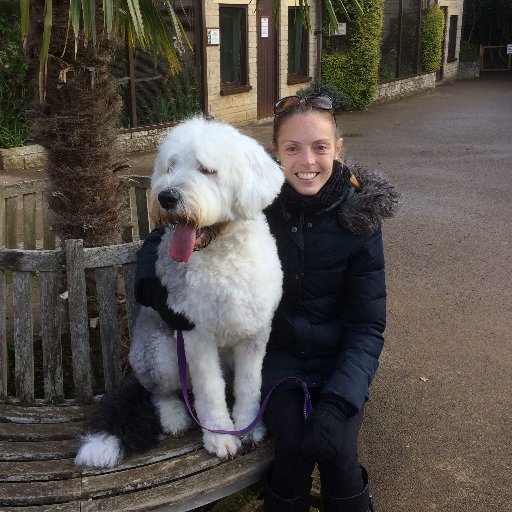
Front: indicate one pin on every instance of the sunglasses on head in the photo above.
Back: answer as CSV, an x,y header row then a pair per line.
x,y
316,101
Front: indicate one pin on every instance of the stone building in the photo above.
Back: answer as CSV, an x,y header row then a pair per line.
x,y
244,60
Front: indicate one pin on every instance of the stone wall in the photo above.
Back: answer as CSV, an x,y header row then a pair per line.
x,y
34,156
468,70
406,87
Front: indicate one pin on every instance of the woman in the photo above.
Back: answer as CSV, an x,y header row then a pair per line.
x,y
327,330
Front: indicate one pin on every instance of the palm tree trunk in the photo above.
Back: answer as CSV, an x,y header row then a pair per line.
x,y
78,129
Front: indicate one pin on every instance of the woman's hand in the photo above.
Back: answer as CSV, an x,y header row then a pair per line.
x,y
324,436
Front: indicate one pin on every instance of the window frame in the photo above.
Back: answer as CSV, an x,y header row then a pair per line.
x,y
227,88
451,55
303,75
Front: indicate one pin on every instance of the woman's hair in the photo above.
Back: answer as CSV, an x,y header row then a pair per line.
x,y
302,107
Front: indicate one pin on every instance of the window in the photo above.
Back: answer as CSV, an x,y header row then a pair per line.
x,y
409,38
298,48
389,41
233,49
452,39
400,45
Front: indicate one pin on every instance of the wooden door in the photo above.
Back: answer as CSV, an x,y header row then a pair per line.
x,y
267,33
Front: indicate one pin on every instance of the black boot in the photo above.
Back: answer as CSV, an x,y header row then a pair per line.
x,y
273,503
361,502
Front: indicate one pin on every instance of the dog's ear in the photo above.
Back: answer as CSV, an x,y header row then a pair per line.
x,y
261,182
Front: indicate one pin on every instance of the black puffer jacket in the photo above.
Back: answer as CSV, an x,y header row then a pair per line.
x,y
328,327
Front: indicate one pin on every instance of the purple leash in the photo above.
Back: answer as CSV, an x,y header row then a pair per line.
x,y
182,367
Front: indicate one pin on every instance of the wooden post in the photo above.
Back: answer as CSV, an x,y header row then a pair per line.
x,y
78,320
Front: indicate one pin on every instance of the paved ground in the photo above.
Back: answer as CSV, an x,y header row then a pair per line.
x,y
437,435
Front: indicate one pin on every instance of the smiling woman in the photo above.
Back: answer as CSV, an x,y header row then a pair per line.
x,y
328,328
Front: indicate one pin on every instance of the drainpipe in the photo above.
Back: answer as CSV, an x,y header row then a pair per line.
x,y
318,34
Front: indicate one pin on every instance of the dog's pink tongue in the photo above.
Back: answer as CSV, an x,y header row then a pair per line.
x,y
182,242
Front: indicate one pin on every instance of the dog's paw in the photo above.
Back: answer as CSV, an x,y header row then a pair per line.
x,y
256,435
222,445
173,415
99,450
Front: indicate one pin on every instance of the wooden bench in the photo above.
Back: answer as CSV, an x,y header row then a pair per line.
x,y
49,379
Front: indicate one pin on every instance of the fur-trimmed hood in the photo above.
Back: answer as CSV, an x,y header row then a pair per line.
x,y
367,206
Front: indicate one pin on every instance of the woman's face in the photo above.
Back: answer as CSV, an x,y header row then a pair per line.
x,y
306,147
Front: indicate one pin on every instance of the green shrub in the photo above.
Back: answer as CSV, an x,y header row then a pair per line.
x,y
469,52
432,32
14,130
339,100
354,72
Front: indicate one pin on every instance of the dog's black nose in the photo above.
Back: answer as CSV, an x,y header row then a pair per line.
x,y
169,198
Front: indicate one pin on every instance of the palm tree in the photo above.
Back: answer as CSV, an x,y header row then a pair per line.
x,y
80,106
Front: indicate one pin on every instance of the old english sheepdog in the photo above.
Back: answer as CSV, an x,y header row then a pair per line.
x,y
219,263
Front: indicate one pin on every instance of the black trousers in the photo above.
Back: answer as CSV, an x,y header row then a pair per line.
x,y
290,475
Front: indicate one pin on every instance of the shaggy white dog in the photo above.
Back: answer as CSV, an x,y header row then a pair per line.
x,y
220,266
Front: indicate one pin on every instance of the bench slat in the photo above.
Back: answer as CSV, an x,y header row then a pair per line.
x,y
132,307
194,491
34,450
11,223
59,507
13,413
38,471
39,493
48,234
31,261
52,352
110,339
141,202
24,187
29,221
78,321
3,336
23,337
95,257
144,477
39,432
127,234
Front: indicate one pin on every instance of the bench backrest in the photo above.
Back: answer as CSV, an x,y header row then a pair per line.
x,y
45,324
25,216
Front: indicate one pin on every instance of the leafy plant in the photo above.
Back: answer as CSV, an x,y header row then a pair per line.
x,y
340,101
179,99
354,73
469,52
14,130
432,39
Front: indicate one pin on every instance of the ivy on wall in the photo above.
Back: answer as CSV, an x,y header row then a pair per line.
x,y
432,32
354,71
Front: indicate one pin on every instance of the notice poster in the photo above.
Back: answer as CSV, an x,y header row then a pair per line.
x,y
264,26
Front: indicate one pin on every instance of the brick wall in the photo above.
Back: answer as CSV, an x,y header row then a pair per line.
x,y
241,108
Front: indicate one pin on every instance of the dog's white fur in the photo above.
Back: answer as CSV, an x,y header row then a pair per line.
x,y
229,289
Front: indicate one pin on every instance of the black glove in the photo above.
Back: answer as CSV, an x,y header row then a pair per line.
x,y
324,434
153,294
